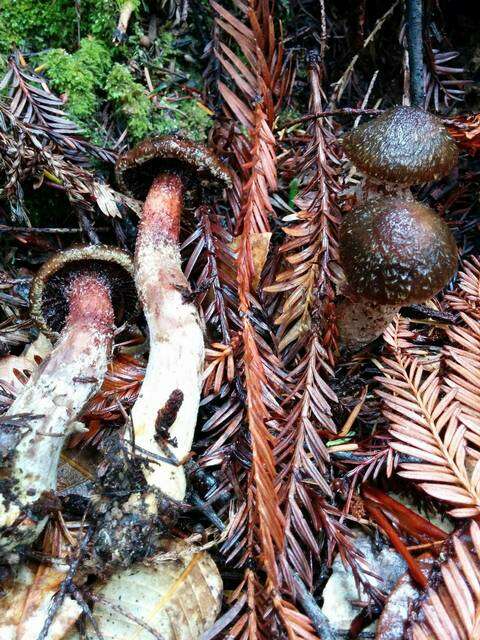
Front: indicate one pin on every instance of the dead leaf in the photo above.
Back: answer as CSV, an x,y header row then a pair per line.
x,y
260,243
24,607
108,201
14,370
178,594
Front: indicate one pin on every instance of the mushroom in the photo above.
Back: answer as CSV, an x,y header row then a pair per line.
x,y
405,145
394,253
79,294
161,171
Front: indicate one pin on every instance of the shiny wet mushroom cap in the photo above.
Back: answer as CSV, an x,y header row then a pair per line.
x,y
50,287
136,169
396,252
405,145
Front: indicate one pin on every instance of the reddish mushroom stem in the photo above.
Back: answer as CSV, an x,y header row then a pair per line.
x,y
54,397
90,306
165,414
162,211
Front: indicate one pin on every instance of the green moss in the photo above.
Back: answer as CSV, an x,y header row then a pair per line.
x,y
99,18
92,71
130,101
39,24
286,116
193,120
142,117
81,75
36,25
166,48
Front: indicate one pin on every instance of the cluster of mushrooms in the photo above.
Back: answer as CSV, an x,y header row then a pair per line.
x,y
79,297
394,250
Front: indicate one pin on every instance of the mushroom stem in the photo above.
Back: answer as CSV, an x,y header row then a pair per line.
x,y
165,414
362,321
51,401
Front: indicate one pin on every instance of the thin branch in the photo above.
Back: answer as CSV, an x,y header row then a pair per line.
x,y
415,51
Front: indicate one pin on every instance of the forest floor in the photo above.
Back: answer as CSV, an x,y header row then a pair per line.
x,y
331,492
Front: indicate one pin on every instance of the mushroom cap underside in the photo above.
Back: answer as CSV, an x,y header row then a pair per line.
x,y
50,286
136,168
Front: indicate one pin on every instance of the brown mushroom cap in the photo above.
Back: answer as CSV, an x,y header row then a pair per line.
x,y
404,145
396,252
49,290
136,168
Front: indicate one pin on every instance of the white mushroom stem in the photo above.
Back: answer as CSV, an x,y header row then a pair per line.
x,y
165,414
54,397
362,321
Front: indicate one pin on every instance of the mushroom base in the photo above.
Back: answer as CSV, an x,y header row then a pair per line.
x,y
47,409
361,322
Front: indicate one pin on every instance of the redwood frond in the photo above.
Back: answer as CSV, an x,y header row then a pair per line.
x,y
311,247
211,268
263,461
451,607
251,91
120,389
303,459
466,131
256,533
43,113
425,422
307,337
462,354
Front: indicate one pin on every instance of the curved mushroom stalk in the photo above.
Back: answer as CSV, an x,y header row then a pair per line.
x,y
165,414
51,402
362,321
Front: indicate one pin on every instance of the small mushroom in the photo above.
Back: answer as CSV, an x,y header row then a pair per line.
x,y
394,253
78,294
405,145
162,171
